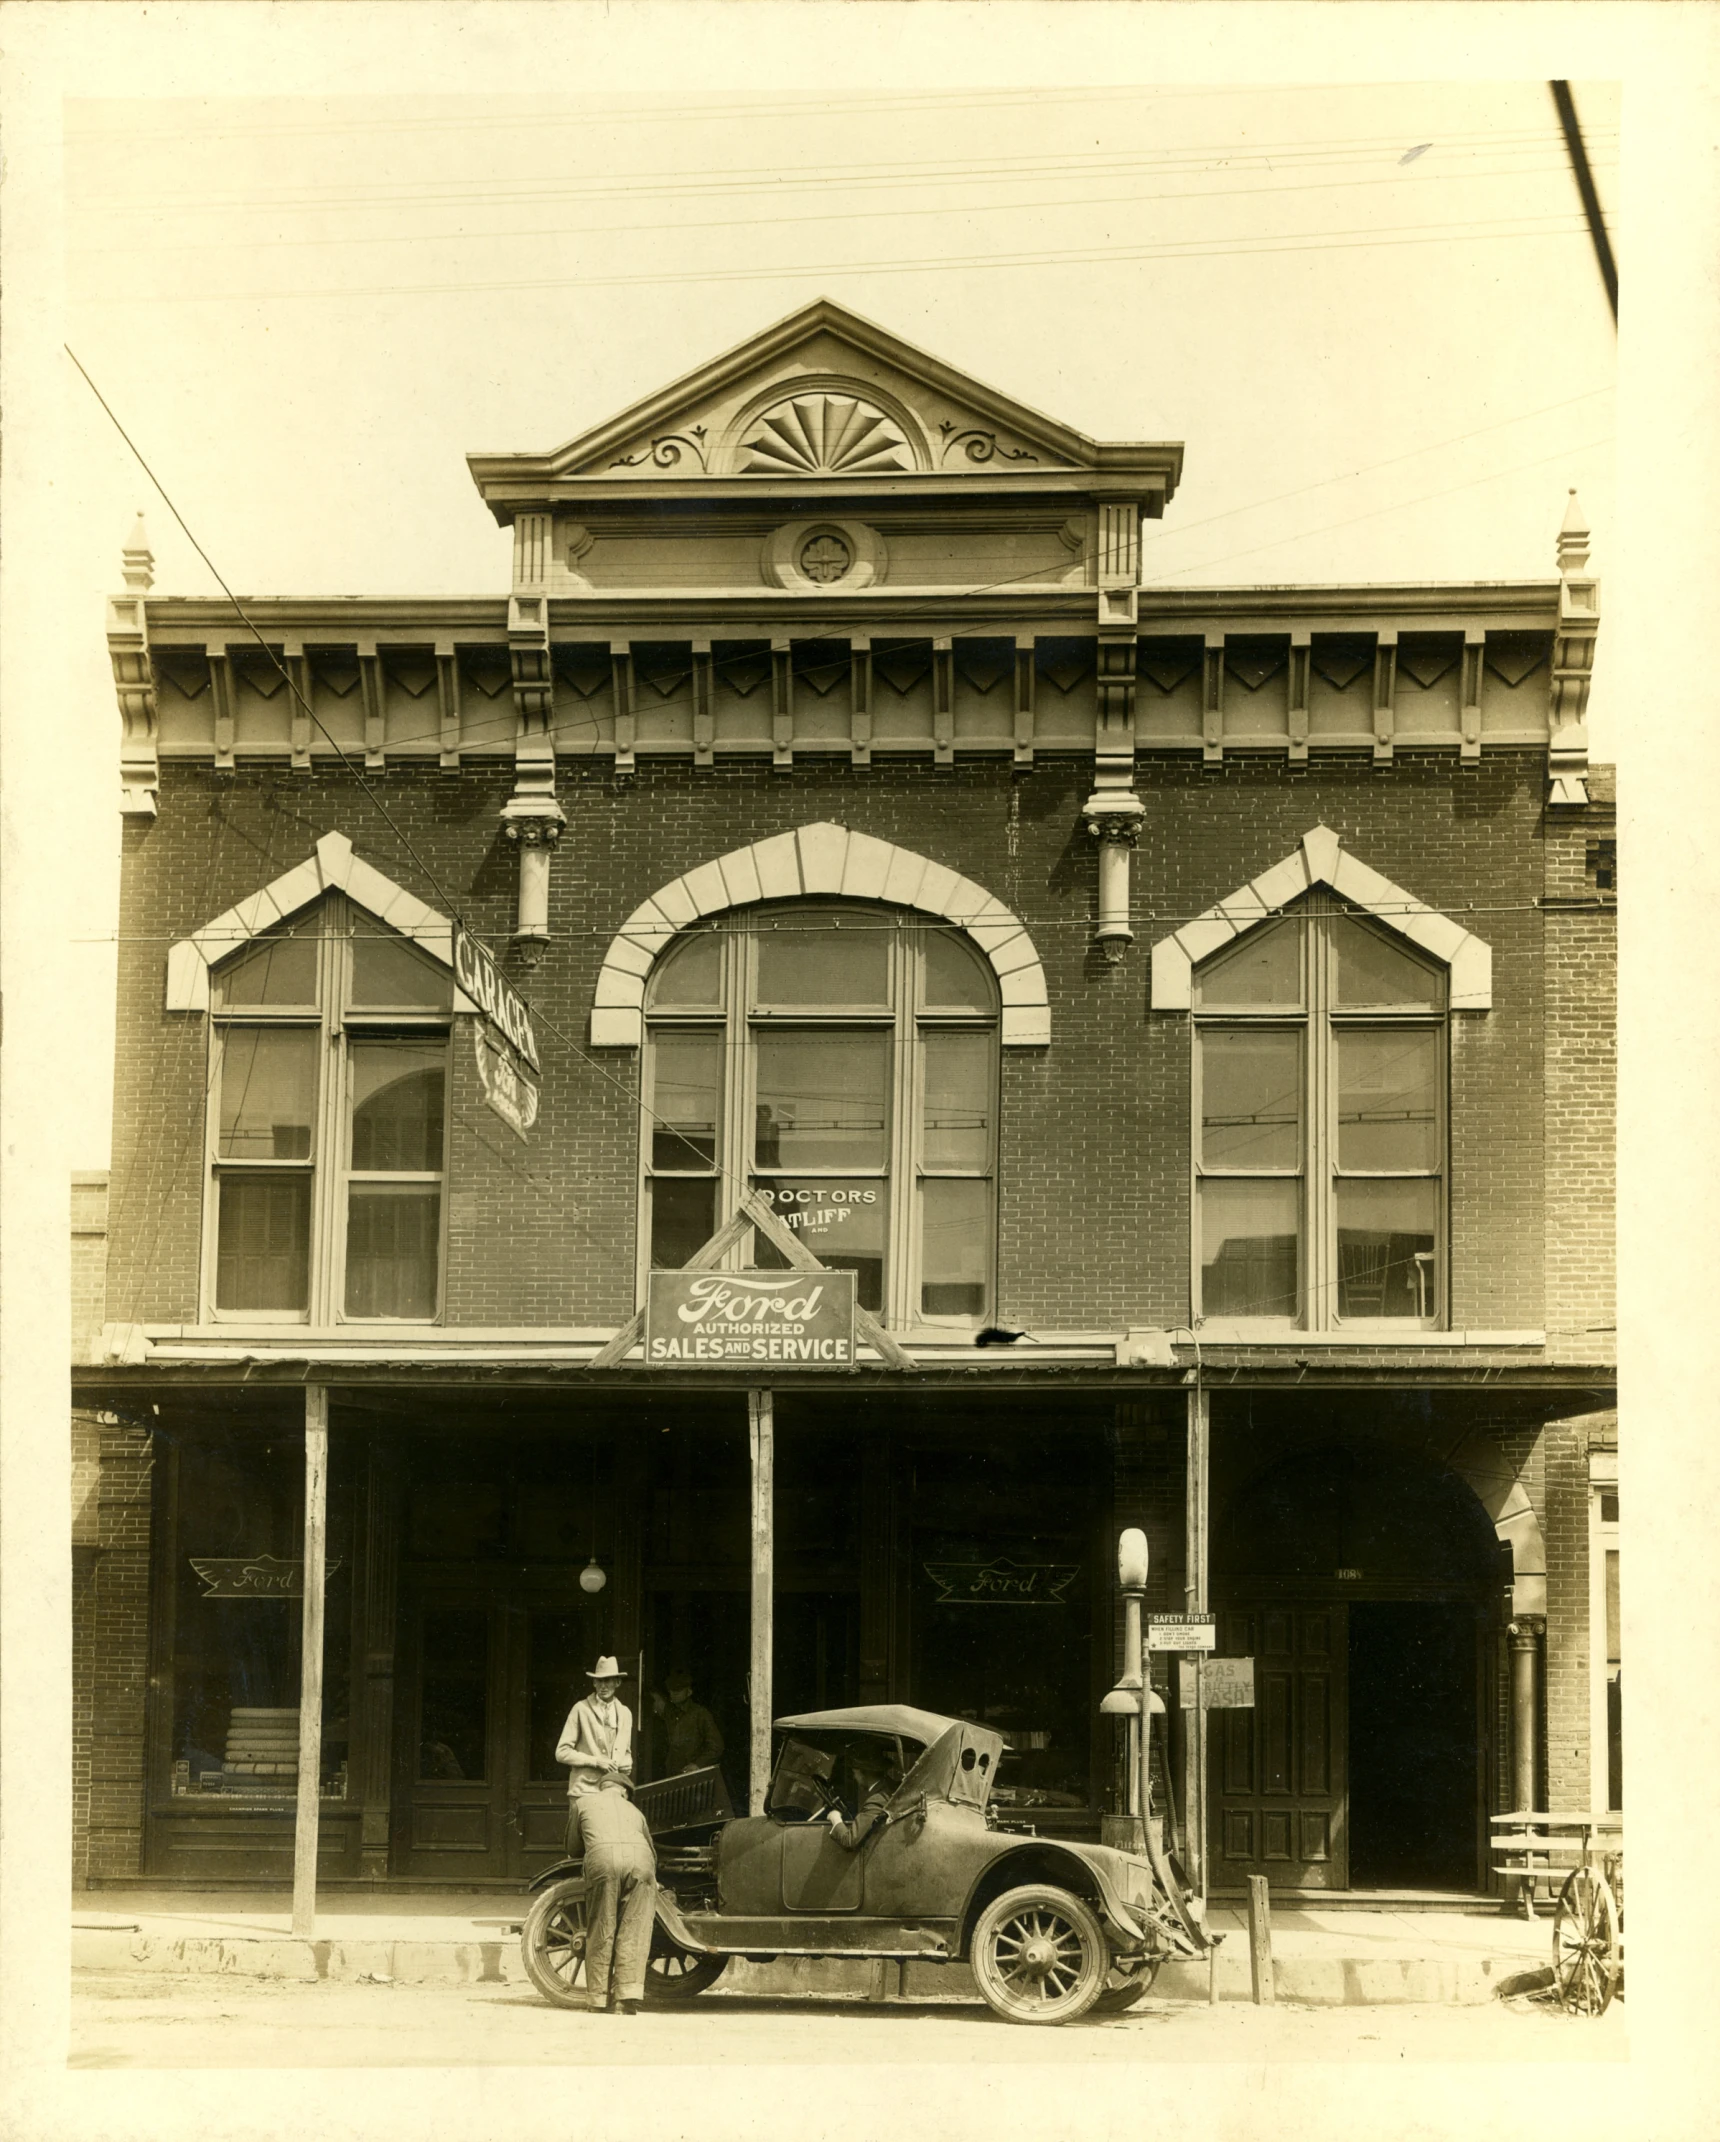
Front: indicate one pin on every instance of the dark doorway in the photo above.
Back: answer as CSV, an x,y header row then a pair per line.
x,y
1413,1755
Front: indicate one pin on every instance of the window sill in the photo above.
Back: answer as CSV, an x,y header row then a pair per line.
x,y
1350,1341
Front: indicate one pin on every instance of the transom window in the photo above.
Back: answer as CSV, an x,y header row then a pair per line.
x,y
327,1133
841,1060
1320,1052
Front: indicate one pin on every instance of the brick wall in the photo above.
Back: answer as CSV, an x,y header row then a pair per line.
x,y
111,1465
1567,1444
1095,1130
89,1263
1581,1075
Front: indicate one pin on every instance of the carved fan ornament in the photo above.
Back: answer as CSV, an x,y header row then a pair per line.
x,y
824,435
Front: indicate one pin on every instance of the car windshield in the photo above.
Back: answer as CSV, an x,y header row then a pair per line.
x,y
819,1770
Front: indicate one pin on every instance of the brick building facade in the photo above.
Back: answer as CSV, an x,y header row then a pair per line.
x,y
1187,1017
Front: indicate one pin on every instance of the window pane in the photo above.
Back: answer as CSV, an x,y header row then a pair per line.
x,y
1263,967
955,1247
686,1079
683,1218
805,959
455,1693
1388,1098
1386,1236
1614,1654
690,973
263,1254
268,1092
841,1223
1372,970
281,970
387,971
397,1100
821,1100
1251,1099
1248,1248
956,978
958,1101
391,1249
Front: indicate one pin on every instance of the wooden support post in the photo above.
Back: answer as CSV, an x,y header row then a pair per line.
x,y
1195,1584
761,1445
1524,1635
1260,1941
311,1662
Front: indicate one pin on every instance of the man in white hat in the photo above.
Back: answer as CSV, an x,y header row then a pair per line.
x,y
598,1735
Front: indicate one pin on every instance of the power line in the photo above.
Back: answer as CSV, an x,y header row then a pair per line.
x,y
1523,228
774,180
589,232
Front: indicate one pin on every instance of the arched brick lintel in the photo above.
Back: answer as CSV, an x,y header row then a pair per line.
x,y
821,861
1321,860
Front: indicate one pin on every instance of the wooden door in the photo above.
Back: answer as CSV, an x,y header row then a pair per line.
x,y
490,1676
1277,1803
452,1754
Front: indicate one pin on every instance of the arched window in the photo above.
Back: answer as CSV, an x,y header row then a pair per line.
x,y
1319,1146
841,1059
328,1096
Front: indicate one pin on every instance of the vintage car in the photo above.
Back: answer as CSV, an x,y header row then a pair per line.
x,y
1049,1929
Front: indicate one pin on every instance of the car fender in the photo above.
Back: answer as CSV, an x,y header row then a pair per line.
x,y
560,1872
1040,1859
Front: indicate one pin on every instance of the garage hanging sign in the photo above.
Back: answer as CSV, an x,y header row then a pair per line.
x,y
494,995
735,1319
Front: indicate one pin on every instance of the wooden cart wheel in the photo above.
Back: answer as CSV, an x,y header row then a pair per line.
x,y
1586,1963
677,1974
1039,1955
552,1943
1127,1980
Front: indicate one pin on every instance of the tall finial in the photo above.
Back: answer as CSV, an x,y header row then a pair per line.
x,y
137,560
1573,538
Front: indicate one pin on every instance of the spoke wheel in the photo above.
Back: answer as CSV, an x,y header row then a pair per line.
x,y
1127,1980
1586,1965
552,1943
677,1974
1039,1955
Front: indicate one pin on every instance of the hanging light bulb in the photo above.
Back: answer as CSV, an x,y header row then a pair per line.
x,y
592,1577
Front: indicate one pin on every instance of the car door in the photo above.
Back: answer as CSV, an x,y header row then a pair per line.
x,y
820,1875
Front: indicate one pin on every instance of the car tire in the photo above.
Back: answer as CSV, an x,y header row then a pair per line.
x,y
1127,1980
1038,1955
675,1974
552,1943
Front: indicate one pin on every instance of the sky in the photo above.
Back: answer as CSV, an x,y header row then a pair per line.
x,y
1371,312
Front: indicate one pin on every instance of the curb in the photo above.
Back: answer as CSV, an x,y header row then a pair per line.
x,y
1323,1982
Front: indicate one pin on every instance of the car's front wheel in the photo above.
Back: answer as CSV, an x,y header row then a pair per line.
x,y
552,1943
1038,1955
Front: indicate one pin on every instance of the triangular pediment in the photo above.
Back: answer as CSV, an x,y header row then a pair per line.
x,y
823,394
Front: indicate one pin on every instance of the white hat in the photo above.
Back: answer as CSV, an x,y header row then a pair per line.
x,y
606,1669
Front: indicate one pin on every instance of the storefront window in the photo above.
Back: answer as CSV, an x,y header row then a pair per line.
x,y
1320,1134
237,1609
328,1123
1002,1611
842,1062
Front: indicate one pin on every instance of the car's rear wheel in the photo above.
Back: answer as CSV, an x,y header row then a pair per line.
x,y
1127,1980
675,1973
1038,1955
552,1943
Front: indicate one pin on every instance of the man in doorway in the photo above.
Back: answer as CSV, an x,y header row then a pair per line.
x,y
875,1777
609,1834
598,1735
692,1739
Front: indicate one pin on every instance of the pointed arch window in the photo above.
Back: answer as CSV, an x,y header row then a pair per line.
x,y
1320,1112
327,1123
841,1059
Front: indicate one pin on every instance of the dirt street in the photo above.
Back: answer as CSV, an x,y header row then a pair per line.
x,y
164,2022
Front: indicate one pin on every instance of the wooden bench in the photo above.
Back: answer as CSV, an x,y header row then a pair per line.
x,y
1539,1849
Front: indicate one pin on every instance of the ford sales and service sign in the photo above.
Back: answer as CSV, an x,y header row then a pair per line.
x,y
799,1319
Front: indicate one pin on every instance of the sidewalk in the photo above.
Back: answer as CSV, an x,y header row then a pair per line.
x,y
1328,1956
